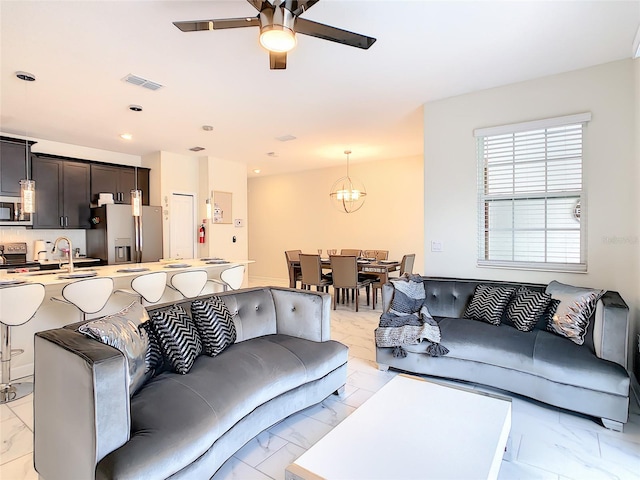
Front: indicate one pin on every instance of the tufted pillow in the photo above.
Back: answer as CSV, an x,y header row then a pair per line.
x,y
526,307
214,324
577,304
122,331
177,337
488,303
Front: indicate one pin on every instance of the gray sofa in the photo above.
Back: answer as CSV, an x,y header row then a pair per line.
x,y
591,378
182,426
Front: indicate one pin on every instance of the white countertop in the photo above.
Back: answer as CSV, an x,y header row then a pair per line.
x,y
54,277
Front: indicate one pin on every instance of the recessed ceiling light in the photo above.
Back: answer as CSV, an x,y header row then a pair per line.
x,y
207,128
286,138
272,154
257,170
196,149
135,108
126,136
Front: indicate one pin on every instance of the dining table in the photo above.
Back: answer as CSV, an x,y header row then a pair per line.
x,y
380,268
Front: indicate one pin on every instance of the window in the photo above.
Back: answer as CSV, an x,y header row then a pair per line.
x,y
531,204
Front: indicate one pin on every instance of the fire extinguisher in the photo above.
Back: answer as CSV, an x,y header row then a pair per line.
x,y
201,234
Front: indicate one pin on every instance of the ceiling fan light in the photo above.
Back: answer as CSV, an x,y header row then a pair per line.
x,y
276,38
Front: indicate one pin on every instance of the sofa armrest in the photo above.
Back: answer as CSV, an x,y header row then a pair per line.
x,y
303,313
611,329
81,403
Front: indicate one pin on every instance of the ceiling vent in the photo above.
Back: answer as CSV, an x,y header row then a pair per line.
x,y
142,82
196,149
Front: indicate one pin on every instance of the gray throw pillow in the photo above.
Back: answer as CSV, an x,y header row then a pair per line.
x,y
122,331
526,307
178,338
488,303
577,304
214,323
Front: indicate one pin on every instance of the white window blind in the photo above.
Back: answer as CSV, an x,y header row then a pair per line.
x,y
531,205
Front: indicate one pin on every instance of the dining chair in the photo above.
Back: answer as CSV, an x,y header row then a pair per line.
x,y
406,266
377,254
312,273
351,251
345,277
295,275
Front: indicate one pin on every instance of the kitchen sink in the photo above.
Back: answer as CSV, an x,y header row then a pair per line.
x,y
57,271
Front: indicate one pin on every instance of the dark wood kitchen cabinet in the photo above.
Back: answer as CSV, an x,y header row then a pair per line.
x,y
13,153
119,181
62,193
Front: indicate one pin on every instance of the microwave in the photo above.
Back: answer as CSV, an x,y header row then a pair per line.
x,y
11,212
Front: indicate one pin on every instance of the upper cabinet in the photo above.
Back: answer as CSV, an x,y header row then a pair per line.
x,y
13,155
62,193
119,181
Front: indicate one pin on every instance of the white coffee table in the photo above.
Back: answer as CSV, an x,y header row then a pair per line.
x,y
413,429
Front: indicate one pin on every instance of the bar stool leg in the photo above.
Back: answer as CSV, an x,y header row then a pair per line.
x,y
10,391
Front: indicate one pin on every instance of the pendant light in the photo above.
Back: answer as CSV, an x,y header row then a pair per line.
x,y
348,194
136,197
27,186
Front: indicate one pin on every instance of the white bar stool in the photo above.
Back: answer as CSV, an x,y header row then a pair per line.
x,y
149,287
229,278
190,284
18,305
88,296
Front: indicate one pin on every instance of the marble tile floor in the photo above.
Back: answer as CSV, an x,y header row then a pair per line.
x,y
545,442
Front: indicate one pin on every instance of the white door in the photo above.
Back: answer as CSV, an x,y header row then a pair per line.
x,y
182,240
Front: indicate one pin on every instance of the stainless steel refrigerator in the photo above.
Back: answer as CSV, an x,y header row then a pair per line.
x,y
112,237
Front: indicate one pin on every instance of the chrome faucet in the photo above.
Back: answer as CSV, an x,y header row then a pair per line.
x,y
69,253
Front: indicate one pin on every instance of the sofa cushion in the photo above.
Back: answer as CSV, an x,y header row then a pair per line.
x,y
216,394
177,336
488,303
214,324
537,353
577,304
526,307
122,331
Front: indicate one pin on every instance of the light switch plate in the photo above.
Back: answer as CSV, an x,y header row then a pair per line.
x,y
436,246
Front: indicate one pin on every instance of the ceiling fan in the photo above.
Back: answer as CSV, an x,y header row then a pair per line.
x,y
279,21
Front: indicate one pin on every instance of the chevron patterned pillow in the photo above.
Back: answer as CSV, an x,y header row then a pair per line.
x,y
526,307
214,323
488,303
178,338
153,358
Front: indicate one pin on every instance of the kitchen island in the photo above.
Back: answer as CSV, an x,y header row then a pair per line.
x,y
56,314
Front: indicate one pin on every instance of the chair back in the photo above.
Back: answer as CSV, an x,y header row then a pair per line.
x,y
19,304
345,271
293,255
311,269
377,254
407,264
90,295
351,251
189,284
233,276
150,286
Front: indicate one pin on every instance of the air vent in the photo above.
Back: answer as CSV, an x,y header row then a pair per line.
x,y
286,138
142,82
196,149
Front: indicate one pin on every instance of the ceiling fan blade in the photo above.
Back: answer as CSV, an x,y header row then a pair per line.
x,y
277,61
301,6
333,34
197,25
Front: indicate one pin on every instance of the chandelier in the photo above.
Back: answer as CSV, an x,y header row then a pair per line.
x,y
348,194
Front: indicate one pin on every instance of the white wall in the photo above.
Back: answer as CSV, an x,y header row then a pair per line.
x,y
293,211
611,158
